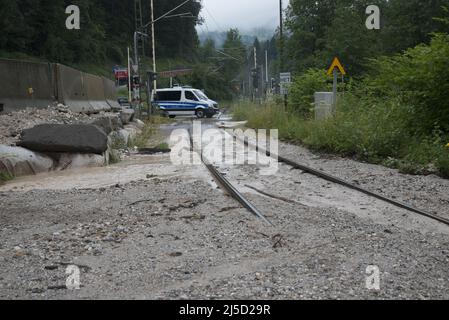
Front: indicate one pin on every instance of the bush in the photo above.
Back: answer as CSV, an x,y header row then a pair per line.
x,y
443,163
371,132
4,177
303,88
420,79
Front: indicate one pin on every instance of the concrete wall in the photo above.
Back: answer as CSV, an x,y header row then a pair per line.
x,y
110,92
71,89
26,84
95,92
31,84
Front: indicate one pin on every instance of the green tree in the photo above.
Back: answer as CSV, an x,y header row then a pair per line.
x,y
234,55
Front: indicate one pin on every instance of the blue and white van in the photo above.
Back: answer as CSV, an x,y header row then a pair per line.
x,y
184,101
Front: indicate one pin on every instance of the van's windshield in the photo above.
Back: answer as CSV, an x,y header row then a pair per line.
x,y
201,95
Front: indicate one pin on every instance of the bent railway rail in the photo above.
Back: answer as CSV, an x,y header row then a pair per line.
x,y
220,178
249,206
345,183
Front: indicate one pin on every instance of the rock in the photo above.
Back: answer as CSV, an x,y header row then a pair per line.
x,y
116,122
108,123
140,124
62,108
175,254
124,136
17,161
103,123
127,115
51,267
77,138
132,131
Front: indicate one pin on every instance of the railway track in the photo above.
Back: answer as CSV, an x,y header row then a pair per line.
x,y
248,205
224,183
347,184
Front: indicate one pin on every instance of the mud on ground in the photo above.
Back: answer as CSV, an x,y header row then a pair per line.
x,y
172,239
145,229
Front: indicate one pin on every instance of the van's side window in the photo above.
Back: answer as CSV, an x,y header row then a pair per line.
x,y
168,96
191,96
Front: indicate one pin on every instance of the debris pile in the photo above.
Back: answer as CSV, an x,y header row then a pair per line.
x,y
13,123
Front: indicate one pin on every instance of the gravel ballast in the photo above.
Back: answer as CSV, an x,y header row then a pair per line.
x,y
173,234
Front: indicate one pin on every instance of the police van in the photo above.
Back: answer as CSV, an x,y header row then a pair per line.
x,y
184,101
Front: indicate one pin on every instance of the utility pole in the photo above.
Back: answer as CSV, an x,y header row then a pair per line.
x,y
138,18
256,75
255,57
281,34
266,71
153,45
129,78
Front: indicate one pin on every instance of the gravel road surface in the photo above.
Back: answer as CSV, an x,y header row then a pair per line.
x,y
139,231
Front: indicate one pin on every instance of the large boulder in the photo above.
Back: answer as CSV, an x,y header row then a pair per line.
x,y
76,138
17,162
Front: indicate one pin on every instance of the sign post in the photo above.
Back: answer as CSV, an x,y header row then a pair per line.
x,y
335,89
285,81
334,69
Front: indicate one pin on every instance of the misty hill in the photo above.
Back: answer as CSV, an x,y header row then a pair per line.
x,y
248,37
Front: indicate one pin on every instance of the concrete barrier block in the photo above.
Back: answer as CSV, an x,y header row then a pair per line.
x,y
71,90
65,138
26,84
96,92
110,93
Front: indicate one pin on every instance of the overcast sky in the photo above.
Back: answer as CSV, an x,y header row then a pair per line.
x,y
221,15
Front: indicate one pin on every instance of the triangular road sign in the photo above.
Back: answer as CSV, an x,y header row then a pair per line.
x,y
336,64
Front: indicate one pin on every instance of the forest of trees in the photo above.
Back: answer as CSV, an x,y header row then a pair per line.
x,y
320,30
37,28
393,108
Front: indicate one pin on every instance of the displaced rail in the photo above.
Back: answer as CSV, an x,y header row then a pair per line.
x,y
347,184
229,187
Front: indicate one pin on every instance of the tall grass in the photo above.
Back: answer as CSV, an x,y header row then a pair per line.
x,y
4,177
373,132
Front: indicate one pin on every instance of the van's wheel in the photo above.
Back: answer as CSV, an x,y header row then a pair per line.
x,y
200,114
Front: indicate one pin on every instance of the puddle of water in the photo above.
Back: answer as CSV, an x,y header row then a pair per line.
x,y
134,169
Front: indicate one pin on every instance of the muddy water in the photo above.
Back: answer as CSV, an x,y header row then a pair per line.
x,y
133,168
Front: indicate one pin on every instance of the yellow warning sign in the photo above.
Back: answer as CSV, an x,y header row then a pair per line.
x,y
336,64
